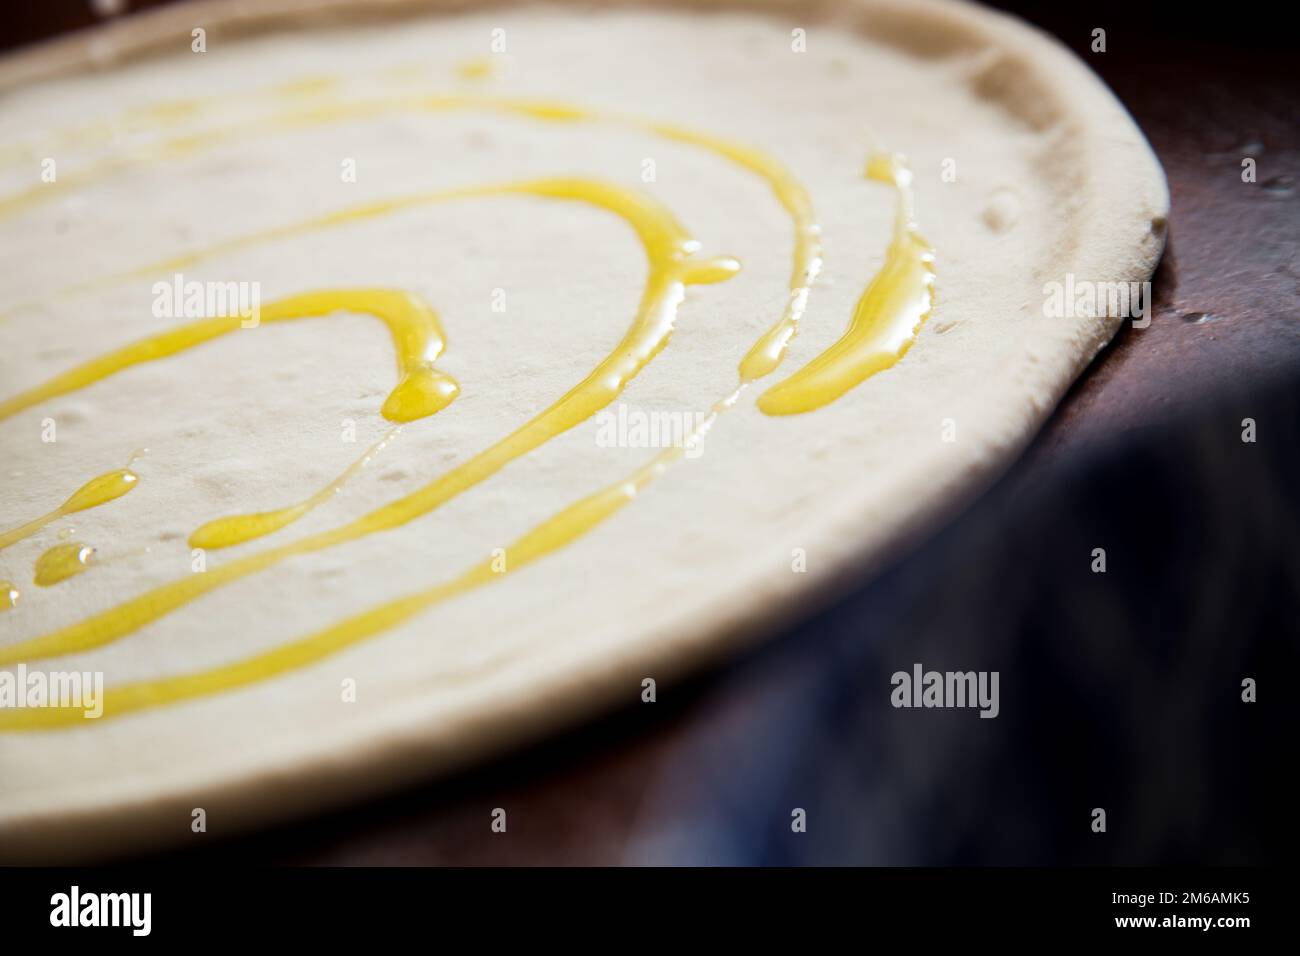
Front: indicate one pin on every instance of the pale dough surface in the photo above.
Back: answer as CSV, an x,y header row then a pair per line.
x,y
1052,178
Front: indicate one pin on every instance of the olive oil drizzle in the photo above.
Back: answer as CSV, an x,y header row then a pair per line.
x,y
551,535
788,191
99,490
478,69
886,319
236,529
417,337
61,562
884,322
672,263
415,328
163,114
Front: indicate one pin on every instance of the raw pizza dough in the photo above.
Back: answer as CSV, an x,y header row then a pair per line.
x,y
1052,178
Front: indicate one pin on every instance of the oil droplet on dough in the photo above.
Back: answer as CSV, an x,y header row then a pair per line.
x,y
61,562
9,595
99,490
480,68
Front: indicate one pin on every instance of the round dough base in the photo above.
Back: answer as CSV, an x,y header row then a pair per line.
x,y
1027,171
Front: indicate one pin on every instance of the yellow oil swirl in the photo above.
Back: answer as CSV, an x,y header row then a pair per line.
x,y
162,113
99,490
61,562
551,535
9,595
880,320
417,337
766,353
886,319
236,529
670,253
416,331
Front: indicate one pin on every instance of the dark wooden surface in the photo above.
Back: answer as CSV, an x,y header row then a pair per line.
x,y
1227,310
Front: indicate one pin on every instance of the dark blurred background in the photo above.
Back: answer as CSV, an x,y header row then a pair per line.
x,y
1119,690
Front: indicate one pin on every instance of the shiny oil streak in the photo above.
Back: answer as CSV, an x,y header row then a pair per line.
x,y
672,265
886,319
884,323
